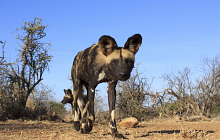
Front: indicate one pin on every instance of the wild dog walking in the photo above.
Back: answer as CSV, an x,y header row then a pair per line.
x,y
102,62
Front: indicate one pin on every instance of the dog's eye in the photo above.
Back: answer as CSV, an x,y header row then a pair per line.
x,y
114,61
129,61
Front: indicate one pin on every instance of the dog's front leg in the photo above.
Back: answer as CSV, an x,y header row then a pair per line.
x,y
111,101
87,126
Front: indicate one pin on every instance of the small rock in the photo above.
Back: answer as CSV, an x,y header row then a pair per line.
x,y
129,122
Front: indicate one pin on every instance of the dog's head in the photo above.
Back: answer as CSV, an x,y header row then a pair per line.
x,y
68,98
119,60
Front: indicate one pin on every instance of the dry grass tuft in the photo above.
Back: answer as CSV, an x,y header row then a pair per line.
x,y
192,134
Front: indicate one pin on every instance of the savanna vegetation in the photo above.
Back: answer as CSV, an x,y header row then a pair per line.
x,y
22,93
184,96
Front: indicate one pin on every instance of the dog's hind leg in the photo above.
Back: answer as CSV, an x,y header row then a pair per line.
x,y
81,103
88,125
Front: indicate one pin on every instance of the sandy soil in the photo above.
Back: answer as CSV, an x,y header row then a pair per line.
x,y
156,129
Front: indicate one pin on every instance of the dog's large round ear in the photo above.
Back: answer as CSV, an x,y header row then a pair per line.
x,y
64,91
70,91
133,43
107,44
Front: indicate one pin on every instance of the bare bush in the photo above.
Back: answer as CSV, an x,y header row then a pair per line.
x,y
132,95
102,116
208,86
180,93
189,96
3,76
40,101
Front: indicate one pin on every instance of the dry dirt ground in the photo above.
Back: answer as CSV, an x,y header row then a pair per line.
x,y
155,129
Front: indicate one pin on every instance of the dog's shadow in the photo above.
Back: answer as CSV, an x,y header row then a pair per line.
x,y
176,131
172,132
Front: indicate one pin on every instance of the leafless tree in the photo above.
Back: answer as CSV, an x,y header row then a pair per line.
x,y
208,85
25,74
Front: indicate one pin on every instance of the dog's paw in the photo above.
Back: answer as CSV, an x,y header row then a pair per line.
x,y
115,134
87,127
76,125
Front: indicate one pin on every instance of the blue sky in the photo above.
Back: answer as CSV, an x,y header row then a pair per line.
x,y
176,33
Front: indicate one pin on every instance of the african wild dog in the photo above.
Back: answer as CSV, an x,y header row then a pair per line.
x,y
102,62
68,98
